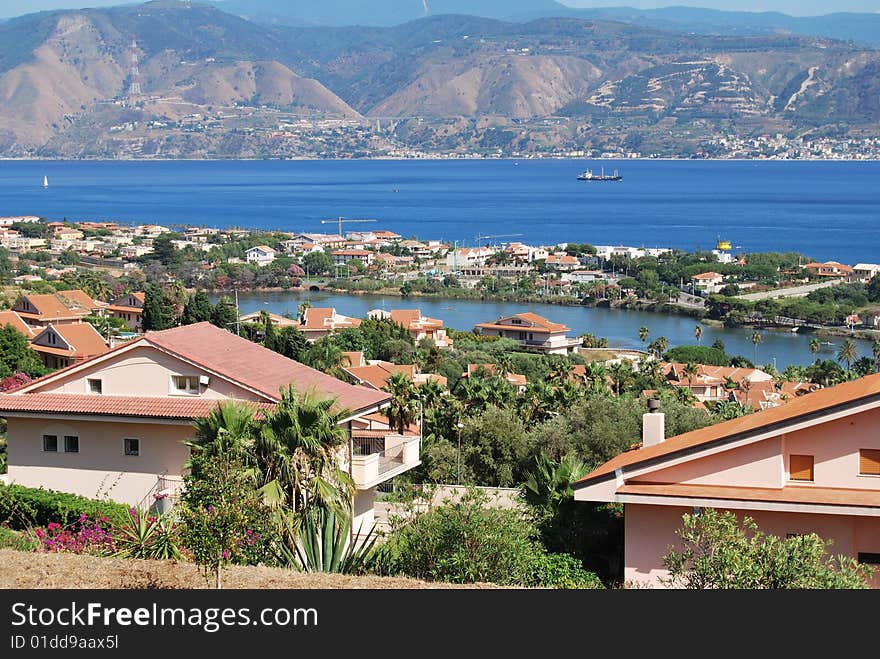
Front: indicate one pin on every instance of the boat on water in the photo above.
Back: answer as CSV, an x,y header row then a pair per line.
x,y
45,181
590,176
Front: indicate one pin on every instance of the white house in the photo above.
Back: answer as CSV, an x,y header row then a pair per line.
x,y
261,255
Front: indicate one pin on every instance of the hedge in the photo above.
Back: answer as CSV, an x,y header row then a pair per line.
x,y
23,507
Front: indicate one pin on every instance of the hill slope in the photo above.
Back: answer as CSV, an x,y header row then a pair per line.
x,y
215,85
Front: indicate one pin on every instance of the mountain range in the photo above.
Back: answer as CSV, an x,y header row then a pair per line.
x,y
861,28
216,85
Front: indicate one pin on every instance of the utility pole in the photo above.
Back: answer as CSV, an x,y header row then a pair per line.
x,y
237,314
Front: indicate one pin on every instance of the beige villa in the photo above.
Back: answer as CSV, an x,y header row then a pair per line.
x,y
115,425
318,322
419,326
129,308
533,332
810,465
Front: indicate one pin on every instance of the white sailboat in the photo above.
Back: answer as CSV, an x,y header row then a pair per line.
x,y
45,181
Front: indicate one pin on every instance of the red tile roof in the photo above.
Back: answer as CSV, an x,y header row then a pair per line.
x,y
49,307
532,322
799,409
83,339
834,496
165,408
81,298
9,317
326,318
377,375
257,367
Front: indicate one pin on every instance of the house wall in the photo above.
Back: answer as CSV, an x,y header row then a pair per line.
x,y
649,532
755,465
835,450
144,371
100,467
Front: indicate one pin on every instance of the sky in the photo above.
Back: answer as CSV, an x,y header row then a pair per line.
x,y
794,7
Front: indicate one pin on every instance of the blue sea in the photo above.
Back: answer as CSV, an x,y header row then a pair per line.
x,y
826,210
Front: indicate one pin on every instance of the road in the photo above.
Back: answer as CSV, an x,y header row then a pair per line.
x,y
794,291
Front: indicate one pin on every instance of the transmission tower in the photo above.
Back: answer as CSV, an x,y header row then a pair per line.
x,y
134,87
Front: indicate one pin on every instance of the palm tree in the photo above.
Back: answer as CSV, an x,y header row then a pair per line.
x,y
561,369
814,346
643,333
229,428
431,393
698,334
620,374
595,373
848,354
756,339
297,451
403,409
658,346
691,370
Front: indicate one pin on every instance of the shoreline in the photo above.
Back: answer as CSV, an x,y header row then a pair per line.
x,y
661,308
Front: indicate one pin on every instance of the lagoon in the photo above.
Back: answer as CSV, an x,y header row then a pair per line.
x,y
619,326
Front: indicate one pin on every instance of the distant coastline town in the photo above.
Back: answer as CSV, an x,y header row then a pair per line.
x,y
786,290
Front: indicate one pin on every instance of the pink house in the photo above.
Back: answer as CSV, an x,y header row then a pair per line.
x,y
115,425
811,465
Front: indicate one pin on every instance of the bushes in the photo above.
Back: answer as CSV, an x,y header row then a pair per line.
x,y
466,542
22,507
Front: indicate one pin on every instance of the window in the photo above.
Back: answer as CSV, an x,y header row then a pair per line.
x,y
869,462
71,444
185,384
131,446
869,558
94,386
50,443
800,467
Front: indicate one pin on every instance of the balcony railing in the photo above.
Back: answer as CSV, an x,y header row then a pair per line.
x,y
164,495
375,459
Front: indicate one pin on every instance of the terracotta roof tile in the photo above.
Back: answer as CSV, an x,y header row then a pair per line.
x,y
823,400
166,408
49,307
9,317
257,367
833,496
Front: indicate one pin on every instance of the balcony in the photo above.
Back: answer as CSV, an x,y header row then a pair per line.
x,y
376,459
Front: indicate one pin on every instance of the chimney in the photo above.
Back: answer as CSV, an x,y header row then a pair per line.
x,y
653,424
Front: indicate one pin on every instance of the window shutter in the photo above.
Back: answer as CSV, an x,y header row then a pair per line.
x,y
800,467
869,462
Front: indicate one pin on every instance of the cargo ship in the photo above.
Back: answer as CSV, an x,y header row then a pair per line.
x,y
590,176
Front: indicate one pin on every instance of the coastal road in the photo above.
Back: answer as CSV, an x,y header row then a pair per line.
x,y
794,291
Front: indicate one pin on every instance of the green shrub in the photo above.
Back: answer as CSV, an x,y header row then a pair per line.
x,y
560,571
466,542
23,507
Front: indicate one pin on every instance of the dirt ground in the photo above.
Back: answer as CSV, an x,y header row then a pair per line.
x,y
31,570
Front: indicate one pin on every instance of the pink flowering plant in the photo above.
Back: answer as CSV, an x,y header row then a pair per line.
x,y
223,517
84,536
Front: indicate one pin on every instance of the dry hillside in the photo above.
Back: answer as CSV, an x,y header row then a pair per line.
x,y
30,570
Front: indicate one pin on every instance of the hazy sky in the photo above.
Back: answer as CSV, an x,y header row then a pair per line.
x,y
794,7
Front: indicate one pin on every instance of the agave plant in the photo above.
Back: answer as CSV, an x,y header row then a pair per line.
x,y
146,535
324,544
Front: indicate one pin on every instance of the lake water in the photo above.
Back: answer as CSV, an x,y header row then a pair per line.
x,y
827,210
619,326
